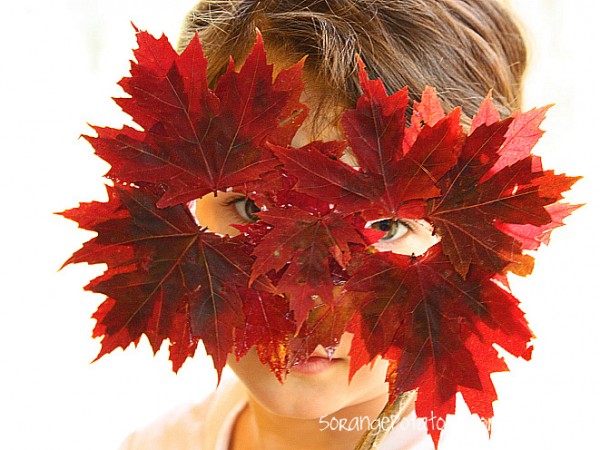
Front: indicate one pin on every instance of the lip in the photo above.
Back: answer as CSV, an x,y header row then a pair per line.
x,y
314,365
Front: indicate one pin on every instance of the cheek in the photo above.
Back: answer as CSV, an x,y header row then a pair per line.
x,y
211,212
414,244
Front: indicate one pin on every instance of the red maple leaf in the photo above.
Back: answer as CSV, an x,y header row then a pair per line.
x,y
428,111
436,328
166,278
496,191
268,326
304,242
196,140
482,191
325,325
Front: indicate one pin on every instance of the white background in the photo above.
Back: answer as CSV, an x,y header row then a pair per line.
x,y
60,61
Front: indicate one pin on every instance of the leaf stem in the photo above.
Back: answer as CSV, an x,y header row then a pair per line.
x,y
395,412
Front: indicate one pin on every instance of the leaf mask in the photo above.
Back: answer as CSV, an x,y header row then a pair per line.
x,y
307,271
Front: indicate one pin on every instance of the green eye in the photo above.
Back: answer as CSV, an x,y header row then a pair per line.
x,y
246,209
393,228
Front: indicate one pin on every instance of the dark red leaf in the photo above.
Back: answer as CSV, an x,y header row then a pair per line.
x,y
437,328
197,141
304,242
165,276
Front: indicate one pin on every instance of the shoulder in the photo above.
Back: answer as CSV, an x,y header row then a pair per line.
x,y
193,427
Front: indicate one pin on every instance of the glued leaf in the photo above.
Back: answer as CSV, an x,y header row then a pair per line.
x,y
196,141
165,276
436,328
304,243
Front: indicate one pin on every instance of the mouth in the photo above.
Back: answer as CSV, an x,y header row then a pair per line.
x,y
318,362
314,365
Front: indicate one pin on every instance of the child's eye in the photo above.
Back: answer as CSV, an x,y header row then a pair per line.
x,y
246,209
404,236
393,228
219,213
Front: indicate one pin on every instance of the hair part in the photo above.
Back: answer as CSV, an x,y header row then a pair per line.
x,y
462,48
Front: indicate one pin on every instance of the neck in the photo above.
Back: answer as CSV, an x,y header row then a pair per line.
x,y
258,428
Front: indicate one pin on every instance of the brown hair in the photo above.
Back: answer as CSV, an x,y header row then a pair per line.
x,y
463,48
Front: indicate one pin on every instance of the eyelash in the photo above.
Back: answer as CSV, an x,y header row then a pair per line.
x,y
231,202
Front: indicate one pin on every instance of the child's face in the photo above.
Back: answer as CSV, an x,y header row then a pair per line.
x,y
319,386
